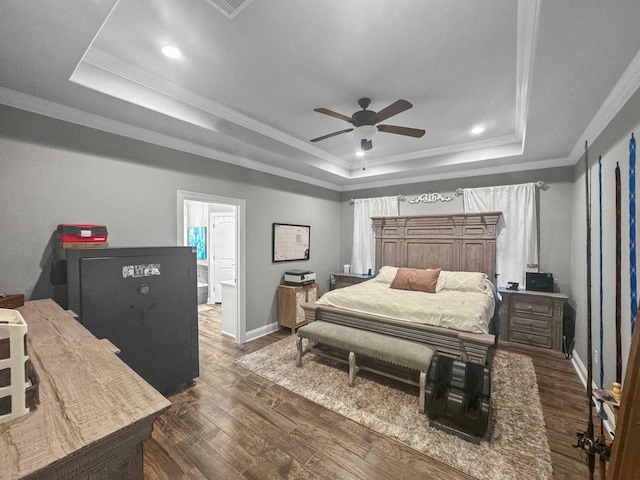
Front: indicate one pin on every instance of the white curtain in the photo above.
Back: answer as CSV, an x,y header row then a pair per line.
x,y
363,255
517,242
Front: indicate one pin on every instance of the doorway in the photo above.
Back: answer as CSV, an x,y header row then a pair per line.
x,y
222,264
222,261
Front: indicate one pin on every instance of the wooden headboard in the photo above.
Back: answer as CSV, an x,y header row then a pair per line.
x,y
455,242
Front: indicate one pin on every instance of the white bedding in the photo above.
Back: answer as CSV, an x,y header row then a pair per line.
x,y
459,309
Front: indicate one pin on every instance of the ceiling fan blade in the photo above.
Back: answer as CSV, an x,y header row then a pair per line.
x,y
331,135
393,109
409,132
331,113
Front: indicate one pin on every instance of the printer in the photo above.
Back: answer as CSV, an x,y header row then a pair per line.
x,y
299,277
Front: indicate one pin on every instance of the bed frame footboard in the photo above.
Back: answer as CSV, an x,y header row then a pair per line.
x,y
470,347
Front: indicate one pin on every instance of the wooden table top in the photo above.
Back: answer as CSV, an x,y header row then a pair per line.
x,y
88,396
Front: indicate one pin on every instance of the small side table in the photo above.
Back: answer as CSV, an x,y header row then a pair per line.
x,y
290,313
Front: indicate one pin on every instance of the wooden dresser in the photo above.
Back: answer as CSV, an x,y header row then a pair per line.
x,y
94,413
533,319
290,299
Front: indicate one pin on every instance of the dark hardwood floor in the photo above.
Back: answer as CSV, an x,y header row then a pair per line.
x,y
235,425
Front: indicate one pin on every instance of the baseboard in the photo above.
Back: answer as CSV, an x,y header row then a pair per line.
x,y
581,370
261,331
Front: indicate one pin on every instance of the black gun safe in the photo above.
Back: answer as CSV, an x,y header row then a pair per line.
x,y
144,301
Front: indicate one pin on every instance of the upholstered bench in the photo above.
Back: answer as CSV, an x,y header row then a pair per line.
x,y
393,350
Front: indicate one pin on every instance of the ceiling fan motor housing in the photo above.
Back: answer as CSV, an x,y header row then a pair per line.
x,y
363,117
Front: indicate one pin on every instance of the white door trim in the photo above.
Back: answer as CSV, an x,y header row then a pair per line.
x,y
241,243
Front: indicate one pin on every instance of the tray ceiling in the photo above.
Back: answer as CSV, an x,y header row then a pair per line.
x,y
540,76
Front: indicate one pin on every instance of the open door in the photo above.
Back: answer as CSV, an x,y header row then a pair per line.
x,y
625,461
223,261
227,242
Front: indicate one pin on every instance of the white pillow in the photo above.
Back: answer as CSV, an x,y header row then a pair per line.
x,y
442,278
386,274
462,281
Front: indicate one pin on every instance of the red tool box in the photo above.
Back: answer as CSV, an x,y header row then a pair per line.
x,y
78,232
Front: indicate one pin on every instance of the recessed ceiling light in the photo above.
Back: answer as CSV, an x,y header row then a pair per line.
x,y
171,51
477,130
360,153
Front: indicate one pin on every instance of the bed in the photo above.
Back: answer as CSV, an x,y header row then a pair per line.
x,y
452,243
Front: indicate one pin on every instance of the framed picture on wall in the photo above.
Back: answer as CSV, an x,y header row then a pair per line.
x,y
197,237
290,242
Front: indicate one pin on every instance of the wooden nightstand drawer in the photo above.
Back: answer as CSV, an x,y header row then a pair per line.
x,y
525,305
531,324
530,338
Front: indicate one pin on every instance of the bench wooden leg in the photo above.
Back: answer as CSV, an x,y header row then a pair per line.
x,y
352,369
299,354
423,384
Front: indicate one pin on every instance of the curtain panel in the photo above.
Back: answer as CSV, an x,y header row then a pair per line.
x,y
517,240
363,254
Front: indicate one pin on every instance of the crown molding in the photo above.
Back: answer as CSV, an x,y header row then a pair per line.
x,y
463,173
120,80
527,38
50,109
627,85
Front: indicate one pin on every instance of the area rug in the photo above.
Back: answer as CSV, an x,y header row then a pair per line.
x,y
516,444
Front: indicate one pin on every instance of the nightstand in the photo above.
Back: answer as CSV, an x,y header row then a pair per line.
x,y
532,319
347,279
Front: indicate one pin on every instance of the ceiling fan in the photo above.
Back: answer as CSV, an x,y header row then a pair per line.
x,y
365,122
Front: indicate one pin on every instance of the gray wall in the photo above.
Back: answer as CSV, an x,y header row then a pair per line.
x,y
55,172
554,212
613,146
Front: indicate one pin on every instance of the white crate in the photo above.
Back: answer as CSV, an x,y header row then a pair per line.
x,y
13,365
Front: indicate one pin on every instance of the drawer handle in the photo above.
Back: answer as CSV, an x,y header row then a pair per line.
x,y
529,307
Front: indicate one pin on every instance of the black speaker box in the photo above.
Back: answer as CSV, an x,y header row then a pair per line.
x,y
539,282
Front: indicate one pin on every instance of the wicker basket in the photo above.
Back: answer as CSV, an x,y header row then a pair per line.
x,y
16,387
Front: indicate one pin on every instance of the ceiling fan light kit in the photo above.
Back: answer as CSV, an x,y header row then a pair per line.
x,y
365,122
364,132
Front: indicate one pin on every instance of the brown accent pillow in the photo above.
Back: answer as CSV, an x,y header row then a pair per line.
x,y
416,279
